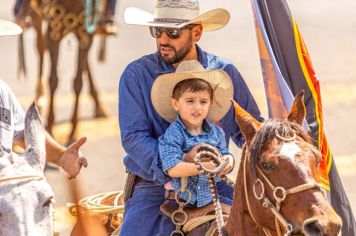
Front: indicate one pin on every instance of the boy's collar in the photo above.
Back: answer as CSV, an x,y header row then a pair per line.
x,y
206,125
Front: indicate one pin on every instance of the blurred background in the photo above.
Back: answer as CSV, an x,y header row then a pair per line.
x,y
329,31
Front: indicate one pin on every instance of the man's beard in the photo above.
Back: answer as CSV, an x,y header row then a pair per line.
x,y
178,56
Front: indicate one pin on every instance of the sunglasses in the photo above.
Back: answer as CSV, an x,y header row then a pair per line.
x,y
172,33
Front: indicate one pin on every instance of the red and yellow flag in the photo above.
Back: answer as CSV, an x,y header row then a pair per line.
x,y
287,70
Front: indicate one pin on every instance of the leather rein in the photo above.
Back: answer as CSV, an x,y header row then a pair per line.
x,y
22,177
279,194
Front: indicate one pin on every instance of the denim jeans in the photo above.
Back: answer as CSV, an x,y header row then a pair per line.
x,y
142,215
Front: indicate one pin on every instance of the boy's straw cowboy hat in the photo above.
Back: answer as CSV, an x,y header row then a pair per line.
x,y
8,28
162,90
177,14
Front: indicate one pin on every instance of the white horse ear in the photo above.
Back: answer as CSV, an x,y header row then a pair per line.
x,y
298,111
35,137
247,123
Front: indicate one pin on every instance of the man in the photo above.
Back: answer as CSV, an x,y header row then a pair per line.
x,y
177,27
12,119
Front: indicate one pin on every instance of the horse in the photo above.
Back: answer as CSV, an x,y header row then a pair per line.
x,y
276,189
64,17
25,196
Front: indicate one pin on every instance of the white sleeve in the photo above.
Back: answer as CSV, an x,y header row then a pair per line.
x,y
19,117
9,101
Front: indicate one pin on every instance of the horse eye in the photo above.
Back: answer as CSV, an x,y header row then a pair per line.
x,y
48,202
267,166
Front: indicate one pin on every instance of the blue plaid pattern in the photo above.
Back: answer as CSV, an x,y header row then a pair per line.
x,y
176,141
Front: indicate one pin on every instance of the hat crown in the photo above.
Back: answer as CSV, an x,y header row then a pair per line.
x,y
176,10
189,65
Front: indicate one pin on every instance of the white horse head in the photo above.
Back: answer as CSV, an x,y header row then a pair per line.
x,y
25,196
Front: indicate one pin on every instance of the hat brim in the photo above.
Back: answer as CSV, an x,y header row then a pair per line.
x,y
8,28
212,20
162,89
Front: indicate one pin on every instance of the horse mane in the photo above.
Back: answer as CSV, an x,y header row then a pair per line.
x,y
267,133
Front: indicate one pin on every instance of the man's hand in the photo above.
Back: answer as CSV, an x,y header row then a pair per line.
x,y
72,158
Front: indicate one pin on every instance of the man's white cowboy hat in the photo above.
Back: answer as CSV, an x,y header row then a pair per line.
x,y
177,14
162,90
8,28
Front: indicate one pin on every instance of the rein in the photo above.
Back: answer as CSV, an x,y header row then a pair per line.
x,y
205,153
22,177
214,155
279,193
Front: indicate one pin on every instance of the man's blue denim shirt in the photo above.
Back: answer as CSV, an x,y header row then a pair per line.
x,y
140,124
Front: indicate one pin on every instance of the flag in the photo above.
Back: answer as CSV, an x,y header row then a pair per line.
x,y
287,70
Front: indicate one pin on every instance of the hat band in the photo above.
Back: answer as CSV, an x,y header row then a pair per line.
x,y
170,20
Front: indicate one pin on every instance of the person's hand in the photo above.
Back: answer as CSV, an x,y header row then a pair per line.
x,y
72,158
189,156
230,166
209,165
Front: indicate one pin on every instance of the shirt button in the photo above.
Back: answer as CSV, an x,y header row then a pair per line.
x,y
198,187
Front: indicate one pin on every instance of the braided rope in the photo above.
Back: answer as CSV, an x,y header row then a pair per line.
x,y
211,154
107,206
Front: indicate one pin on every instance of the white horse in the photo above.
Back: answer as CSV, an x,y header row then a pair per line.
x,y
25,196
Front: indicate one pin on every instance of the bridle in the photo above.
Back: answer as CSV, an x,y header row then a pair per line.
x,y
22,177
279,193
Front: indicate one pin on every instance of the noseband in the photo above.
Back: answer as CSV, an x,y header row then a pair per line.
x,y
279,193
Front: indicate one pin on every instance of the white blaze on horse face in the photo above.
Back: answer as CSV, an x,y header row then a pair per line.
x,y
289,151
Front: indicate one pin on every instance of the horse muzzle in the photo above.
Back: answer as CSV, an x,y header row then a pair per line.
x,y
322,226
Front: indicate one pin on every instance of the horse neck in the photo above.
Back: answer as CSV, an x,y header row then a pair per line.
x,y
240,221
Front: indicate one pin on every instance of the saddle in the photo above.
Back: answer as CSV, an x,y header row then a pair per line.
x,y
196,216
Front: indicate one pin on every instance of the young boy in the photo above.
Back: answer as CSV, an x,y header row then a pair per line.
x,y
197,100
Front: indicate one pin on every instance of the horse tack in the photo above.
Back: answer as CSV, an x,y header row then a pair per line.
x,y
206,152
63,22
22,177
211,153
181,203
279,193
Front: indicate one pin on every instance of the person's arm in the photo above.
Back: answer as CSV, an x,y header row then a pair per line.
x,y
70,159
243,96
186,169
136,127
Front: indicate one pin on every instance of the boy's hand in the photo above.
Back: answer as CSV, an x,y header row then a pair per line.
x,y
209,165
189,156
230,166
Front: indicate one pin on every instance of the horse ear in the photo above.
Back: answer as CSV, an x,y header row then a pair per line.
x,y
247,123
298,111
34,137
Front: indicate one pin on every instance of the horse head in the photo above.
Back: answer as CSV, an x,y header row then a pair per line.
x,y
279,172
25,196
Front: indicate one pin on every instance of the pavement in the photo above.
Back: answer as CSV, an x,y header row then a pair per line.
x,y
329,31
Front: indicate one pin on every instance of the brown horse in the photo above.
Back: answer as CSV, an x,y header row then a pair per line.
x,y
277,190
63,17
